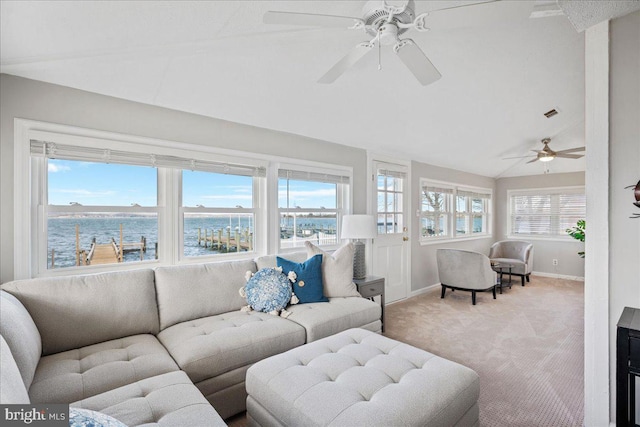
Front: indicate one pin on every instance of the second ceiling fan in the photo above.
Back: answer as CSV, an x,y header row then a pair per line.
x,y
547,154
386,22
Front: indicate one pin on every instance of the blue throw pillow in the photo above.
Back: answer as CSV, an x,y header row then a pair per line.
x,y
268,290
308,284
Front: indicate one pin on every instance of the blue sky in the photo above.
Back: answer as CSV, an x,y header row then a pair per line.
x,y
103,184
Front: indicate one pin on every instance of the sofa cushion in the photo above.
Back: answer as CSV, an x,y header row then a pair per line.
x,y
323,319
164,400
12,388
337,270
188,292
211,346
271,260
106,306
22,336
77,374
307,285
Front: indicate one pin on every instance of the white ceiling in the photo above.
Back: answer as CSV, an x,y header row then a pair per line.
x,y
218,59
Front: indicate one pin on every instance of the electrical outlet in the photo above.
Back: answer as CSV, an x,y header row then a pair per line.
x,y
555,261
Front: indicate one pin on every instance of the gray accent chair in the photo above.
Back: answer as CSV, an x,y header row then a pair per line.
x,y
466,271
518,253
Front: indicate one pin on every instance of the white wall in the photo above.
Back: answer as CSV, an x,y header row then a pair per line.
x,y
624,170
30,99
424,271
544,251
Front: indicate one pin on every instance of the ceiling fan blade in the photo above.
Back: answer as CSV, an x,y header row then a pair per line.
x,y
296,18
416,61
569,156
356,54
479,14
571,150
534,160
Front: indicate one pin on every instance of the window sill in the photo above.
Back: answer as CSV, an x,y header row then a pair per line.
x,y
454,239
566,239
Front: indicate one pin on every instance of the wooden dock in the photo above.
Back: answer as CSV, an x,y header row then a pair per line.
x,y
226,241
109,253
103,254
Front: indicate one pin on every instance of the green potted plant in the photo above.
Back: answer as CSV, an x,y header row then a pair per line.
x,y
577,232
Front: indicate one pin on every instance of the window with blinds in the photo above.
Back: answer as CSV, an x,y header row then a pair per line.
x,y
310,206
102,205
436,211
546,213
449,212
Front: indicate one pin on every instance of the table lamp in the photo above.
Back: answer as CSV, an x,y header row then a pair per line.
x,y
357,227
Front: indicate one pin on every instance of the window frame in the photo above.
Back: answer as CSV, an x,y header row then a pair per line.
x,y
257,185
388,170
553,191
343,200
30,245
30,195
451,213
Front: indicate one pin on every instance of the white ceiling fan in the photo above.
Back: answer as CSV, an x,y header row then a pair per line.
x,y
547,154
386,22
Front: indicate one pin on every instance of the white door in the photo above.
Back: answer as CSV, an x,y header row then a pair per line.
x,y
391,248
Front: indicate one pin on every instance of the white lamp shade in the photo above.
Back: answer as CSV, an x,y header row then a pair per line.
x,y
358,227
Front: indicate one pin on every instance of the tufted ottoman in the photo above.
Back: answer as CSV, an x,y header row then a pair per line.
x,y
359,378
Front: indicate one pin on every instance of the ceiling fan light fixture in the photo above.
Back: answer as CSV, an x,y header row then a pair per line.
x,y
546,158
388,34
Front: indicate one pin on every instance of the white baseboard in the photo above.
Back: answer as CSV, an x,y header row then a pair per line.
x,y
420,291
424,290
557,276
436,286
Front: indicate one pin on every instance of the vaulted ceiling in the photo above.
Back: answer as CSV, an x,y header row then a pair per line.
x,y
219,59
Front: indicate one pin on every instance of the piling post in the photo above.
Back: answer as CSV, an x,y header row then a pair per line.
x,y
121,245
53,258
78,245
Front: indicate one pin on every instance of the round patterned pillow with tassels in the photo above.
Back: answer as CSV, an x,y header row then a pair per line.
x,y
269,290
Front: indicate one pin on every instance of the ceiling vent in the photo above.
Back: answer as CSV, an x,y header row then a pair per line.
x,y
551,113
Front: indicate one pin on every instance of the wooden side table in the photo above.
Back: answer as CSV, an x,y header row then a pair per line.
x,y
372,286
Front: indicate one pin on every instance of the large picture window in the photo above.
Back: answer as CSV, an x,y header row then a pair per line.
x,y
451,212
545,213
92,201
110,206
310,207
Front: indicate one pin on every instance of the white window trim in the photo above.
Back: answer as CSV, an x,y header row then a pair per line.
x,y
344,199
451,217
534,191
265,202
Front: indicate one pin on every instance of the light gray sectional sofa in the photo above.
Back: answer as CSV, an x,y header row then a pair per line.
x,y
153,347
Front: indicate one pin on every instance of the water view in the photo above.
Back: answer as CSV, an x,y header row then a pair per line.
x,y
203,235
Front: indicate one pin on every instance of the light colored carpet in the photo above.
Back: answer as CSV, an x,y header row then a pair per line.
x,y
527,347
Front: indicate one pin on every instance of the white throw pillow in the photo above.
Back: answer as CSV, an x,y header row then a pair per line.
x,y
337,270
